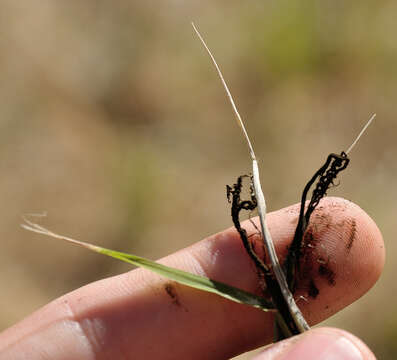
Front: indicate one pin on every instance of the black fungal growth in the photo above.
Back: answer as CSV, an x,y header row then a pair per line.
x,y
234,196
237,206
326,176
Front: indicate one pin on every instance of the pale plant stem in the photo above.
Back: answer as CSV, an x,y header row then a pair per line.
x,y
295,312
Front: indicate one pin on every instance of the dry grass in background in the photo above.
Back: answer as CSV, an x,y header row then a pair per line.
x,y
106,106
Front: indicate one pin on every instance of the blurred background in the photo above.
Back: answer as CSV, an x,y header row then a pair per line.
x,y
114,123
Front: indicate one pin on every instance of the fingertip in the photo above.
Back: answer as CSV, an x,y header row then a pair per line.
x,y
350,258
320,343
342,255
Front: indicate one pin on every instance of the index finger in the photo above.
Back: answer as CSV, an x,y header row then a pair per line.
x,y
141,315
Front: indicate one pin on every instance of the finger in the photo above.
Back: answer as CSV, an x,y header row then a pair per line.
x,y
321,343
141,315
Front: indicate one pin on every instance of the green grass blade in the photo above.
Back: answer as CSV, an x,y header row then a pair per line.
x,y
182,277
192,280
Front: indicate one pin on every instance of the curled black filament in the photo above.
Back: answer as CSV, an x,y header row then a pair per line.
x,y
325,177
273,287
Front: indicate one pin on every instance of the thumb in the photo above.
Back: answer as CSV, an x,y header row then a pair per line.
x,y
320,343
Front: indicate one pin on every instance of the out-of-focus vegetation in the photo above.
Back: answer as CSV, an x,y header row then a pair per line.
x,y
113,121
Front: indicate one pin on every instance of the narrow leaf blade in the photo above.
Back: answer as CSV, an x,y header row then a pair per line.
x,y
192,280
182,277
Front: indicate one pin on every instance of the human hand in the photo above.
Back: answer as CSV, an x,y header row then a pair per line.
x,y
139,315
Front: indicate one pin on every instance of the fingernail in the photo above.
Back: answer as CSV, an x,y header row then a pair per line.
x,y
318,344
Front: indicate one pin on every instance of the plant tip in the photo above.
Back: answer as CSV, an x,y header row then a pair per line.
x,y
228,93
360,134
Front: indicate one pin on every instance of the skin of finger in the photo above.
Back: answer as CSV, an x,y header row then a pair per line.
x,y
310,344
141,315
